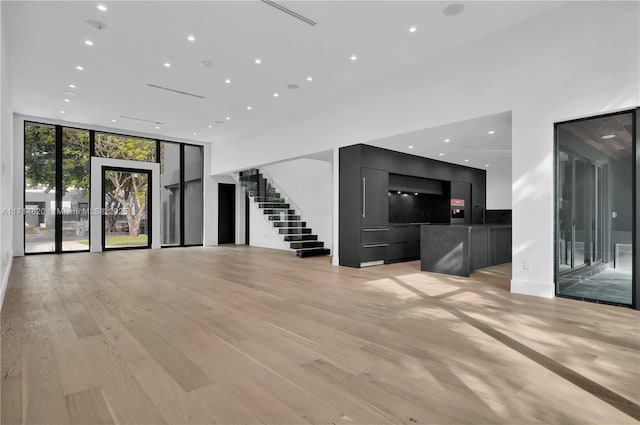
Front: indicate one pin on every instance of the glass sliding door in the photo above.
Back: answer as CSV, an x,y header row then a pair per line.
x,y
127,203
594,208
40,175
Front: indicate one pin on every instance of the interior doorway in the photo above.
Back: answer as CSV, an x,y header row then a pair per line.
x,y
226,213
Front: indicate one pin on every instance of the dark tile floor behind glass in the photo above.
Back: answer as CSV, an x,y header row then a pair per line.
x,y
612,285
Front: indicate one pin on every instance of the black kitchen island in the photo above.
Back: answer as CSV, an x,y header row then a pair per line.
x,y
460,249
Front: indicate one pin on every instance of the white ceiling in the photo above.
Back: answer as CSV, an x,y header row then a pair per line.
x,y
46,42
469,142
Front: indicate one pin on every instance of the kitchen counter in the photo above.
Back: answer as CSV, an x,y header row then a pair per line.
x,y
459,249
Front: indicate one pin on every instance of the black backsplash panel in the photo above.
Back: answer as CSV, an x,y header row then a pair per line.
x,y
498,217
411,208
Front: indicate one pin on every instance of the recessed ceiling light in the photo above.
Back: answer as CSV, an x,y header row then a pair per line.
x,y
191,38
249,108
195,134
257,61
228,81
353,58
276,95
486,165
62,112
102,7
441,154
167,65
210,126
309,79
79,68
73,86
492,132
410,146
413,28
113,120
608,136
88,42
399,192
228,118
466,160
447,140
67,100
415,193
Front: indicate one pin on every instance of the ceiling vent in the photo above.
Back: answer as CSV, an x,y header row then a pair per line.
x,y
289,12
175,91
141,119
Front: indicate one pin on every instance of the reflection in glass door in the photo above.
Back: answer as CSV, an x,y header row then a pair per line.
x,y
582,185
127,204
565,214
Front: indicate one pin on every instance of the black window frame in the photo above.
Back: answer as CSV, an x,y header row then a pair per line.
x,y
635,200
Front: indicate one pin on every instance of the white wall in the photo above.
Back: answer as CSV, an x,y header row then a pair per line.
x,y
499,188
261,233
564,64
309,184
6,164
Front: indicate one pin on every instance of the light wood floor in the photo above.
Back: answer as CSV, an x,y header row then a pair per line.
x,y
237,335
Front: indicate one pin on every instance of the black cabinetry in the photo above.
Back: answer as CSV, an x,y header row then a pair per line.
x,y
404,242
375,205
366,236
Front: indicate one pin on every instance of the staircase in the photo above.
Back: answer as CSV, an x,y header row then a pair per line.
x,y
284,216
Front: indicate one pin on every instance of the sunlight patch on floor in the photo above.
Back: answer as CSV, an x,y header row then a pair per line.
x,y
429,285
392,288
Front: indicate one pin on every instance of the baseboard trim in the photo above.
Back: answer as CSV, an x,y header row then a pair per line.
x,y
5,280
536,289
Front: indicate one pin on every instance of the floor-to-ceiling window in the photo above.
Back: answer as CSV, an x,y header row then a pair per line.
x,y
75,186
170,193
39,188
57,190
181,196
595,213
193,195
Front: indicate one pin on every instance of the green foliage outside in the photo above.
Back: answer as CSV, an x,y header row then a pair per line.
x,y
126,191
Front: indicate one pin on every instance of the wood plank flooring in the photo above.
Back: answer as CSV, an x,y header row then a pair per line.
x,y
243,335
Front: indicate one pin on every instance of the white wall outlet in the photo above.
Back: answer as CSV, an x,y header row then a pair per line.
x,y
526,264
